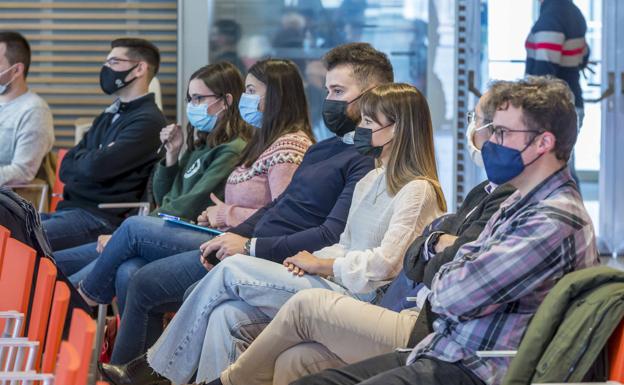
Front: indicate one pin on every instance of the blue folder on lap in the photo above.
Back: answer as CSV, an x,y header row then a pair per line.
x,y
178,221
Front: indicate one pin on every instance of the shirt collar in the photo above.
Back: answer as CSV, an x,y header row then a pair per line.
x,y
540,192
120,107
348,137
490,187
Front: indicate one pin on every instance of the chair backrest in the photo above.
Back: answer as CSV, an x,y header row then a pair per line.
x,y
4,235
57,189
58,315
17,276
82,336
616,354
42,301
69,364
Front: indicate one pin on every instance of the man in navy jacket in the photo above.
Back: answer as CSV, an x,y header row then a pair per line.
x,y
112,163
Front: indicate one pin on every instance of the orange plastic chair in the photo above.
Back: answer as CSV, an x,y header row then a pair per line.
x,y
16,277
4,235
68,366
616,354
57,189
82,335
42,301
60,303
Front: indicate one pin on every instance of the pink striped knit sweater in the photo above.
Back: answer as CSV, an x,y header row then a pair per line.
x,y
250,188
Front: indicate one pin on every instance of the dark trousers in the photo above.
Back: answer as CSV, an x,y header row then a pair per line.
x,y
153,290
390,369
73,227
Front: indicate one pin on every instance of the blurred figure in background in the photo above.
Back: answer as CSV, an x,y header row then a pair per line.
x,y
224,38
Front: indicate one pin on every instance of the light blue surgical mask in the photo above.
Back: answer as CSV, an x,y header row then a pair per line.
x,y
199,117
5,87
248,107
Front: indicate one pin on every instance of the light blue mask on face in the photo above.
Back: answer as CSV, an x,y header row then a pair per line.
x,y
199,117
5,87
248,107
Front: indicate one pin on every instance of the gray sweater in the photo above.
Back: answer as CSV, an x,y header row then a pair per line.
x,y
26,136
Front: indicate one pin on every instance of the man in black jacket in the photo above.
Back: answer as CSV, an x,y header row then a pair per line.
x,y
112,163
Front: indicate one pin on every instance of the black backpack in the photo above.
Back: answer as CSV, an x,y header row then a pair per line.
x,y
21,218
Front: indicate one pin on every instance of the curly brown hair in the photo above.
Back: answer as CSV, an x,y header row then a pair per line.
x,y
547,104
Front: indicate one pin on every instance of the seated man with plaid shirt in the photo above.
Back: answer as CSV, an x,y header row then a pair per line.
x,y
486,297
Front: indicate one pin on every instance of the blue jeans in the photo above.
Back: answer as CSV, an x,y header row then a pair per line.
x,y
74,260
233,325
155,289
262,285
73,227
122,278
147,238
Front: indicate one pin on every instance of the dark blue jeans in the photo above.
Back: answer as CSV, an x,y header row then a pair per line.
x,y
155,289
73,227
76,256
147,238
78,262
75,259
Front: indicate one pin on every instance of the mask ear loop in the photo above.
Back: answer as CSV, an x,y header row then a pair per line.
x,y
10,81
528,145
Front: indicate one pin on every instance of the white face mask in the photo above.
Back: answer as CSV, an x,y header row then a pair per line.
x,y
475,153
5,87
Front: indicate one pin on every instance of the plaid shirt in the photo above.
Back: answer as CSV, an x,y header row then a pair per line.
x,y
488,294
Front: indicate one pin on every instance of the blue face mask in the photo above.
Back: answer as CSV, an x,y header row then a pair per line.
x,y
199,117
502,164
248,107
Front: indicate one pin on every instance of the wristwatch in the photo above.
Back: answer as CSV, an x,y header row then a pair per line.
x,y
247,247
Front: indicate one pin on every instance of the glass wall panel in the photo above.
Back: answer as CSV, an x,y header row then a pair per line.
x,y
417,35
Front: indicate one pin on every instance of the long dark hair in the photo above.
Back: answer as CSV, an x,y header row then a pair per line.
x,y
285,106
222,78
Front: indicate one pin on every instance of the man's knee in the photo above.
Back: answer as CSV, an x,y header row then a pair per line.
x,y
304,302
301,360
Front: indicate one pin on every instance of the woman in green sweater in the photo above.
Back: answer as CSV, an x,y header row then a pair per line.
x,y
216,136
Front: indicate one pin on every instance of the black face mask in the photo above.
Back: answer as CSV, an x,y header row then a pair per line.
x,y
111,81
335,116
362,140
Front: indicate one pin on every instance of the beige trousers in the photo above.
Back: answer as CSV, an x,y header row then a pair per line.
x,y
315,330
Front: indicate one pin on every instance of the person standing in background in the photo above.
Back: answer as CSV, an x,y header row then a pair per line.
x,y
556,46
224,38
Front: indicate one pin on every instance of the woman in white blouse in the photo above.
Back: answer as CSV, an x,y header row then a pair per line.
x,y
391,206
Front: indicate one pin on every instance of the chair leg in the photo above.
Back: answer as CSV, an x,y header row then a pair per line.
x,y
99,336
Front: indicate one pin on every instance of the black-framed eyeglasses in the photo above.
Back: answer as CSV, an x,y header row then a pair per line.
x,y
197,99
116,60
499,133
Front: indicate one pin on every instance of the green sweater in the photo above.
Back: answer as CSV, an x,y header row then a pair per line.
x,y
184,189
